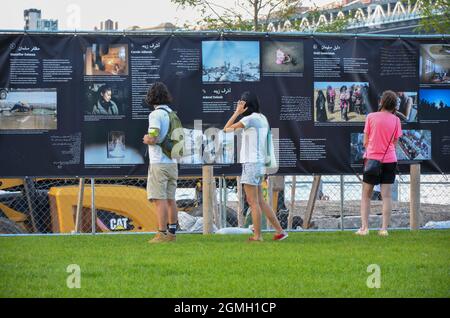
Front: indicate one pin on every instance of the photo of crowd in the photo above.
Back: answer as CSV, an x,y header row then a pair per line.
x,y
414,145
434,104
28,109
282,57
435,64
105,99
220,63
104,59
341,101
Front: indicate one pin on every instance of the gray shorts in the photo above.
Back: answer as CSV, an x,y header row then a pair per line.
x,y
253,173
162,181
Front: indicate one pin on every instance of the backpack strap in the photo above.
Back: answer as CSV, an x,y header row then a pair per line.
x,y
164,109
168,113
392,138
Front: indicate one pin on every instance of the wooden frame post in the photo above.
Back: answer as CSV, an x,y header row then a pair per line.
x,y
311,201
93,210
292,205
270,199
414,198
208,206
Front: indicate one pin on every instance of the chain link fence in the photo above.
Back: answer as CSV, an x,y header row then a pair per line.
x,y
121,205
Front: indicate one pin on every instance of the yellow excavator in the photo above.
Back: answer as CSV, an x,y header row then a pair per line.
x,y
50,206
25,208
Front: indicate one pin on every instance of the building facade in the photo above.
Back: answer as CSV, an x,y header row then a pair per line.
x,y
108,25
34,21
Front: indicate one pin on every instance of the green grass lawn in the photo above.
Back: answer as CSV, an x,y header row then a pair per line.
x,y
331,264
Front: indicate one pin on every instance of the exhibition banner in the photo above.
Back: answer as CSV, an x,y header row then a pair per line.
x,y
74,104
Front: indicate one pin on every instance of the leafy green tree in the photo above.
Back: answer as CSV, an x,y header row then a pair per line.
x,y
435,16
245,15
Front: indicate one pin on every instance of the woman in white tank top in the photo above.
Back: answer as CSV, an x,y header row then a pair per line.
x,y
253,158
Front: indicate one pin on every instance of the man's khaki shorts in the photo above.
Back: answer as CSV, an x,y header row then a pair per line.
x,y
162,181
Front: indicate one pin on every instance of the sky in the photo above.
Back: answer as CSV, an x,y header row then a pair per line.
x,y
436,96
144,13
215,57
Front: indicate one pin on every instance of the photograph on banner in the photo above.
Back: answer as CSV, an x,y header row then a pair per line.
x,y
113,144
412,145
116,145
230,61
282,58
341,101
434,104
406,108
434,64
106,59
28,109
106,99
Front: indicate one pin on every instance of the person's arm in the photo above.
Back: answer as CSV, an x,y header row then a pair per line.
x,y
366,131
366,140
408,107
151,137
401,115
398,132
154,129
231,125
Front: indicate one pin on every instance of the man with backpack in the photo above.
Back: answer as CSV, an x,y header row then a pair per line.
x,y
164,132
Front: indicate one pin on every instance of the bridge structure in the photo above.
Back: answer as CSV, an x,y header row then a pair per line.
x,y
362,16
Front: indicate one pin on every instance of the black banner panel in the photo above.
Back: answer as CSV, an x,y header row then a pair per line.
x,y
74,104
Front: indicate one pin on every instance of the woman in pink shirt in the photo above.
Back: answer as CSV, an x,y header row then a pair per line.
x,y
381,133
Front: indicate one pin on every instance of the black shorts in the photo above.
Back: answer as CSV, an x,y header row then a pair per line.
x,y
387,175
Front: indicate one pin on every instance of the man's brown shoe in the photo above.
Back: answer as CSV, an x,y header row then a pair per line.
x,y
159,238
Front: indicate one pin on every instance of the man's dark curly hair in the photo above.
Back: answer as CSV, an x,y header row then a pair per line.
x,y
158,94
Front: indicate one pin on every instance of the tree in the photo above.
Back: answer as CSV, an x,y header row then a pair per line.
x,y
245,15
435,16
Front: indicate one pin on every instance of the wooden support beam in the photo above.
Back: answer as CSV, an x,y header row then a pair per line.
x,y
311,202
414,197
292,206
208,209
270,201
